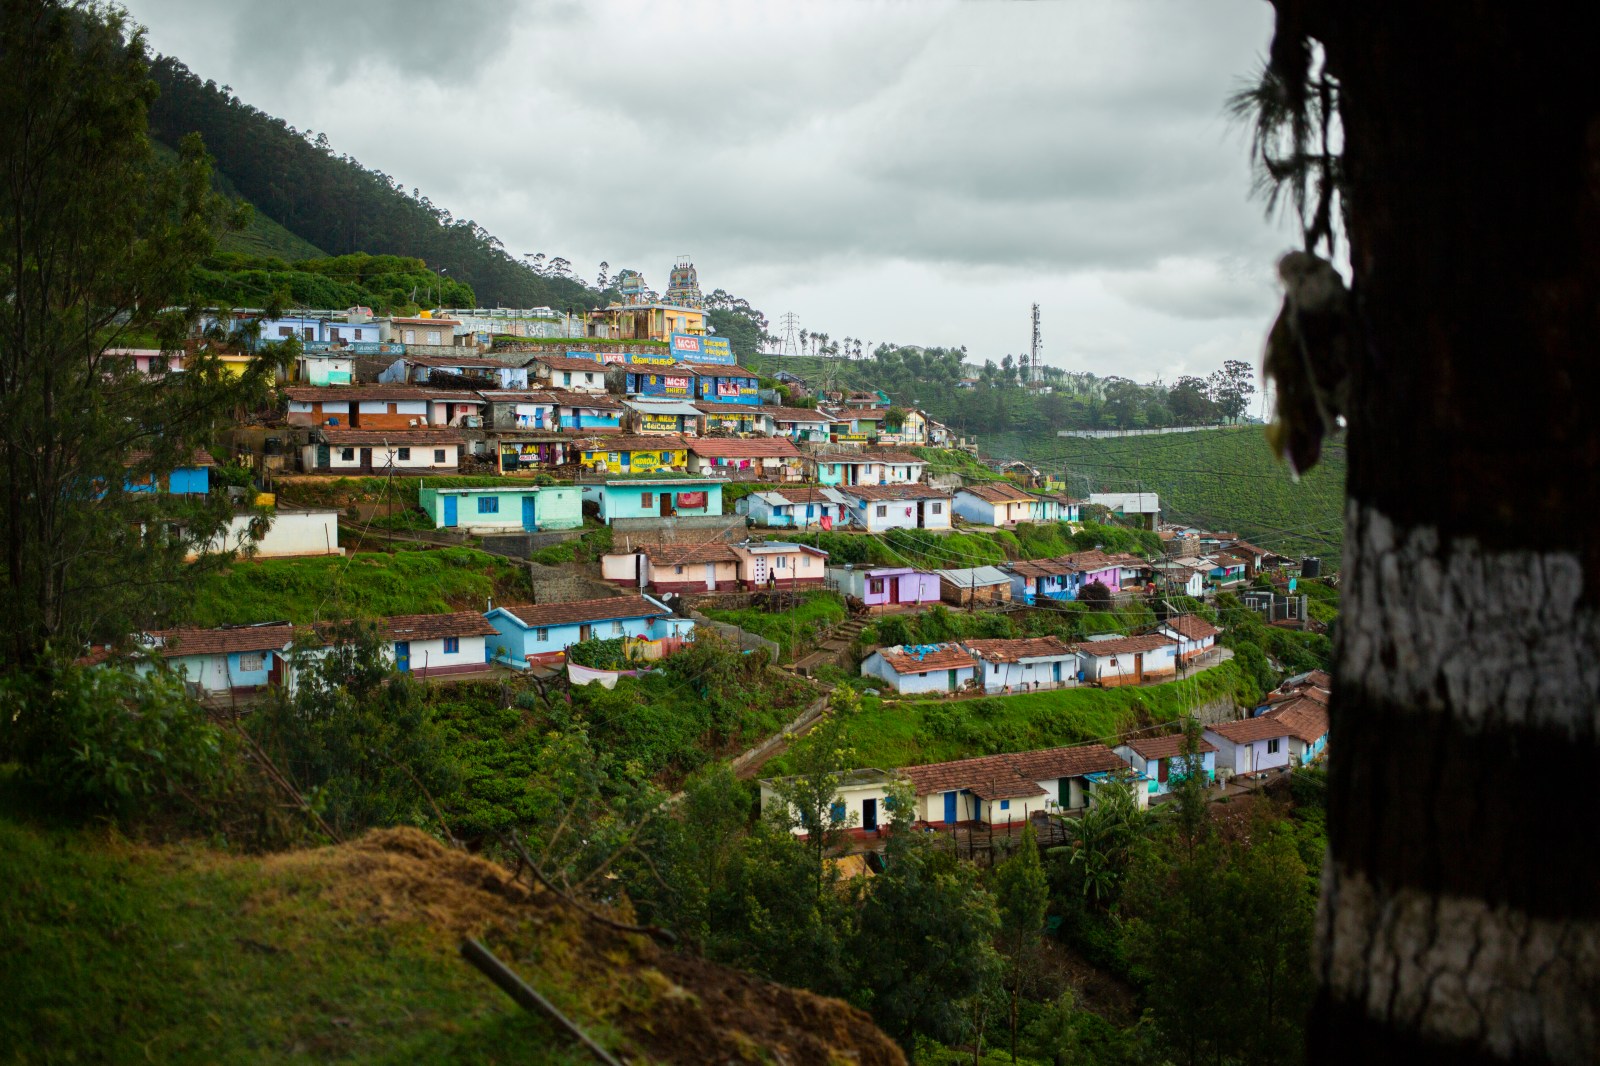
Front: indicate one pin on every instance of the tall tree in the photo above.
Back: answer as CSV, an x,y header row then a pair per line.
x,y
98,240
1022,894
1459,918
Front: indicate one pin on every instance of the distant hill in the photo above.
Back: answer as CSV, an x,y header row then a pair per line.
x,y
1221,478
311,202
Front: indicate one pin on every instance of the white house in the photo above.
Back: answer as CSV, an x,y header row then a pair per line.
x,y
425,645
1025,664
918,668
569,372
995,503
234,659
879,508
865,468
1161,760
1193,634
382,451
1001,789
1143,507
860,803
325,368
417,369
1290,734
1180,579
1127,660
288,533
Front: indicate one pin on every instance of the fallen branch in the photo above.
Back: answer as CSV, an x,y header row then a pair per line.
x,y
483,960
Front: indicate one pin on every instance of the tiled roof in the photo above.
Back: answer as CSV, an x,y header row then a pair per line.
x,y
466,362
1066,762
224,641
198,457
536,615
670,442
736,448
893,457
519,396
586,399
568,362
682,554
1015,650
353,393
790,414
1039,568
1123,646
1191,627
747,410
880,493
1303,718
998,492
434,626
1251,729
939,657
676,369
340,436
1165,747
989,777
802,494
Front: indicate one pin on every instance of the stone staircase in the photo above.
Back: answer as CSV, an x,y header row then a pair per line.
x,y
833,648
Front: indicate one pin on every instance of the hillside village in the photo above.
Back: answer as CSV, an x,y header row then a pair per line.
x,y
711,492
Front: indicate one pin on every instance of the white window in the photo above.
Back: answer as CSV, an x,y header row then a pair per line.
x,y
541,635
937,508
780,563
883,510
251,662
1272,746
616,629
411,336
433,336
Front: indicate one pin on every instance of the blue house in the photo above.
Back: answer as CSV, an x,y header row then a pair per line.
x,y
676,382
539,633
1162,762
192,478
796,507
727,384
655,497
234,659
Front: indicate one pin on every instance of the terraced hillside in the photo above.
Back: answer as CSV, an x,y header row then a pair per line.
x,y
1222,478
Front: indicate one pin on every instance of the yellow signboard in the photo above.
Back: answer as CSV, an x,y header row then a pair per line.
x,y
658,423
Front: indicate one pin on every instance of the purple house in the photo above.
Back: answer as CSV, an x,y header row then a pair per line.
x,y
885,586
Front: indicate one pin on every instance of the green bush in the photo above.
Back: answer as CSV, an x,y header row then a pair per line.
x,y
105,739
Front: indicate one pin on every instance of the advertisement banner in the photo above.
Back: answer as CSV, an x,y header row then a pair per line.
x,y
692,349
729,388
674,382
614,357
581,355
856,437
658,423
636,359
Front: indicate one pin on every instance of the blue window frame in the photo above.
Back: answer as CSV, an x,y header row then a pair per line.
x,y
452,645
1005,805
488,505
837,812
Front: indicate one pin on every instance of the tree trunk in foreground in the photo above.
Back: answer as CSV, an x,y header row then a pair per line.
x,y
1460,918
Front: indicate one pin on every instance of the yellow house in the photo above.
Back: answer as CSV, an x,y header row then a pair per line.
x,y
653,322
635,454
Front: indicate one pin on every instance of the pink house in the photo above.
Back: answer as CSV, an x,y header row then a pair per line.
x,y
150,360
886,586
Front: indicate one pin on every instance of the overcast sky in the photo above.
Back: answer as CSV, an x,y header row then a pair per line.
x,y
916,172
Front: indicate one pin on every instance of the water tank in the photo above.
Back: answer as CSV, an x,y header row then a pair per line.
x,y
1311,566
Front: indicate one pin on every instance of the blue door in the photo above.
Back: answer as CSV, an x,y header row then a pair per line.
x,y
950,807
402,655
527,513
450,504
1055,671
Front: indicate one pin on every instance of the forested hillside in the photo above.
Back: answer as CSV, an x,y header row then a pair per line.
x,y
338,205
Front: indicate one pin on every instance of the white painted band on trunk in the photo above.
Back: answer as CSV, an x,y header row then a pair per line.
x,y
1496,638
1454,969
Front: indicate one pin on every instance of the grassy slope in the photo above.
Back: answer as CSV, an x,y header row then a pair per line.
x,y
790,629
907,733
1224,478
118,952
367,585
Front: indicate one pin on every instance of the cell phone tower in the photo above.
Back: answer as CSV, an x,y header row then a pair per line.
x,y
1034,362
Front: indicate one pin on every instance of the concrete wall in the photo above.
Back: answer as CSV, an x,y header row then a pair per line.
x,y
679,528
522,545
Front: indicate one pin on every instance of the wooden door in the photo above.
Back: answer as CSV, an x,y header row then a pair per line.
x,y
366,458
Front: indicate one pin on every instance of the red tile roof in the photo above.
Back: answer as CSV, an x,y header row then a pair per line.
x,y
596,400
880,493
939,657
271,637
1191,627
353,393
1010,651
789,414
536,615
1123,646
682,554
435,626
665,442
1165,747
802,494
1247,730
198,457
1303,718
568,362
999,492
465,362
1066,762
989,777
736,448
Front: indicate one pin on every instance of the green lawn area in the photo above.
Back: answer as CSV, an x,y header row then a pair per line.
x,y
365,585
894,733
790,629
122,953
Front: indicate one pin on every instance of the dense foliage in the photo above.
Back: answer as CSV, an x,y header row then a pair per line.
x,y
386,283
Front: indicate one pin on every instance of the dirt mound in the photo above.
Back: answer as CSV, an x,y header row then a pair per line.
x,y
669,1007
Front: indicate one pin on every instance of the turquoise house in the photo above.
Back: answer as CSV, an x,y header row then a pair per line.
x,y
655,497
503,509
192,478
